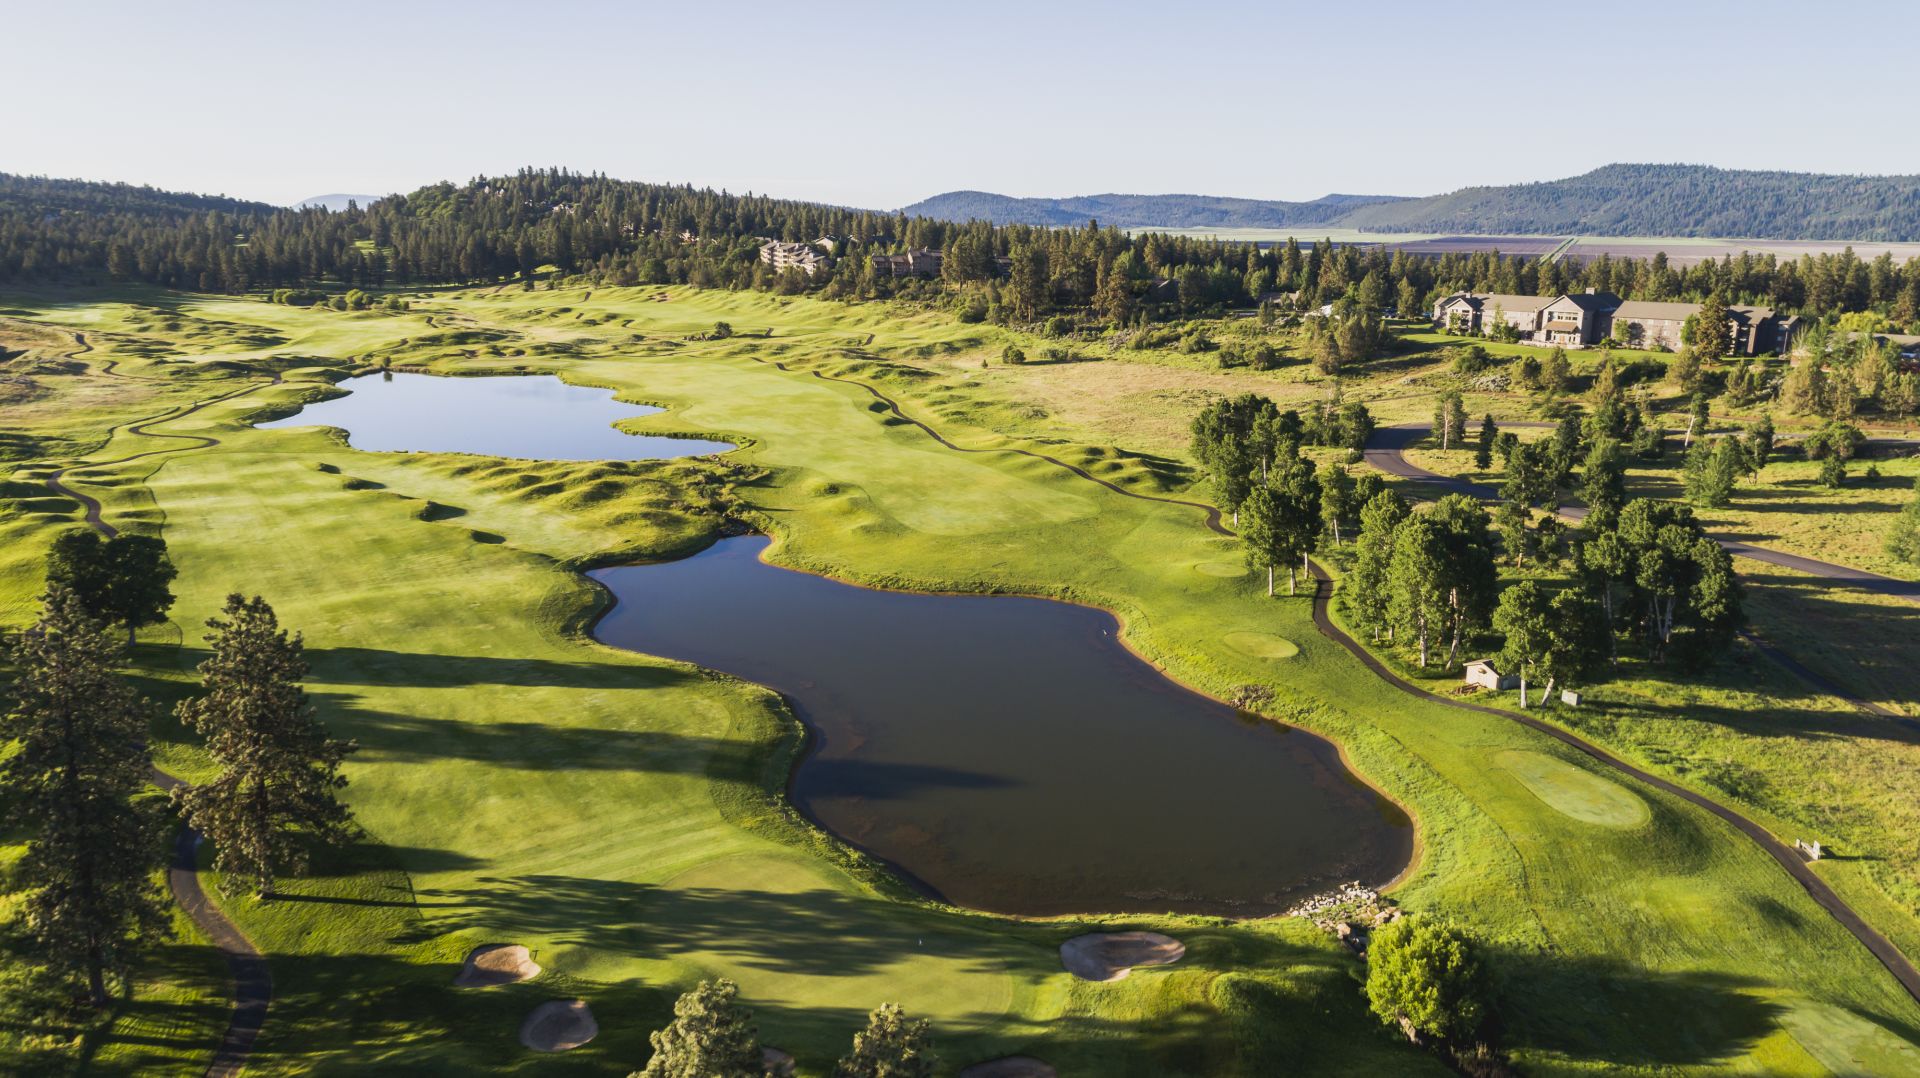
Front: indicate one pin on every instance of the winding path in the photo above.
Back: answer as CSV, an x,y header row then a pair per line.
x,y
252,981
1882,948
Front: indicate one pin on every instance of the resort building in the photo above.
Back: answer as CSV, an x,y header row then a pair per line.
x,y
924,262
1582,319
1480,312
801,256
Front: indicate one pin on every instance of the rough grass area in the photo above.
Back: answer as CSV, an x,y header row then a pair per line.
x,y
618,814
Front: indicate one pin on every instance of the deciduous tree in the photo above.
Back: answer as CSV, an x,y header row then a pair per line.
x,y
1424,978
711,1036
892,1046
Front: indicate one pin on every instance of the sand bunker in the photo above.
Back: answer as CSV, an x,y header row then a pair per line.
x,y
775,1063
558,1026
1110,956
497,963
1010,1067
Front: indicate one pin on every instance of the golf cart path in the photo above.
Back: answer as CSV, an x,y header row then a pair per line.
x,y
252,982
1789,859
1386,450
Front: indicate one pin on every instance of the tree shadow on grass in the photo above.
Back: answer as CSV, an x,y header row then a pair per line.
x,y
389,737
814,931
380,666
1605,1011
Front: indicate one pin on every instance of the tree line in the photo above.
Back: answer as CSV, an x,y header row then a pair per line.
x,y
1642,573
614,232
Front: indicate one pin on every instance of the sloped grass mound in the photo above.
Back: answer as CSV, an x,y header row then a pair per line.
x,y
1258,645
1573,791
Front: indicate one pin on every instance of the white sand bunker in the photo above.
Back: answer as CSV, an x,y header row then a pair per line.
x,y
775,1063
558,1026
1110,956
1011,1067
497,963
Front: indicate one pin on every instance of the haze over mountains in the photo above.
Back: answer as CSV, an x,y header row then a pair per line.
x,y
1614,200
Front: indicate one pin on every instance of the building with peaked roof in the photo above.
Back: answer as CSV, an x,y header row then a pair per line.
x,y
1480,312
1578,319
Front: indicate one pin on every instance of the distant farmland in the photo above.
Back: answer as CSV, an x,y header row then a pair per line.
x,y
1688,252
1530,246
1681,250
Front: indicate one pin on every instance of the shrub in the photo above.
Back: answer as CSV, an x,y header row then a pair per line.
x,y
1196,341
721,331
1423,976
1059,326
1469,358
1013,354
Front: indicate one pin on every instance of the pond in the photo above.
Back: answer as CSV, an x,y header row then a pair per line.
x,y
1010,754
534,417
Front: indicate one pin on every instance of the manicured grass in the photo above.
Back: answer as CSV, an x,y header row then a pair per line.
x,y
522,783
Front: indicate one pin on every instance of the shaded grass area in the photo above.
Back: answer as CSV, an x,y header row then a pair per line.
x,y
611,811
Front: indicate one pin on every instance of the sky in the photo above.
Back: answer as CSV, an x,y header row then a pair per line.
x,y
881,104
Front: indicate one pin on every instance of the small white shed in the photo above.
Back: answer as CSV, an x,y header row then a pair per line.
x,y
1482,673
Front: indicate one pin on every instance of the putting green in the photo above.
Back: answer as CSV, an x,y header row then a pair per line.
x,y
1847,1044
1574,792
1256,645
1222,568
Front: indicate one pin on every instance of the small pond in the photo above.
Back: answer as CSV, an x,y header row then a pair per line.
x,y
1009,754
534,417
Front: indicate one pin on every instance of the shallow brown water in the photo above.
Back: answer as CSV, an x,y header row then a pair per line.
x,y
1009,754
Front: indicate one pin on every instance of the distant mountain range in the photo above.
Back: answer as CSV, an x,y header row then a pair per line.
x,y
1615,200
336,203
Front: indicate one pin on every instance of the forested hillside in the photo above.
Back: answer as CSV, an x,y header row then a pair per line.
x,y
1670,200
538,226
1140,211
1617,200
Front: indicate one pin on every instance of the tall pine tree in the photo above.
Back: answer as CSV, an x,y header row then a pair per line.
x,y
81,757
279,771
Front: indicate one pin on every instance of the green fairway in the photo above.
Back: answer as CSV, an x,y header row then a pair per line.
x,y
620,815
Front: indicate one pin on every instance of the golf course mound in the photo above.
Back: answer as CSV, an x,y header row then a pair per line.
x,y
775,1063
1227,569
1110,956
497,963
558,1025
1573,791
1010,1067
1256,645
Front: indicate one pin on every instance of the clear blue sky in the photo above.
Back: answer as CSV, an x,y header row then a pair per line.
x,y
880,104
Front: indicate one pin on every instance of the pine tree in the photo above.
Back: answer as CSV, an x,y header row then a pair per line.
x,y
1336,498
1903,537
1712,337
1261,530
711,1036
88,872
1483,452
1366,585
1521,619
892,1046
279,771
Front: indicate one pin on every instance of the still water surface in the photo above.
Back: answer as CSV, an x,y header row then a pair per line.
x,y
534,417
1009,754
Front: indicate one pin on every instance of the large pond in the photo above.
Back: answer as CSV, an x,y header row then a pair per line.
x,y
1010,754
536,417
